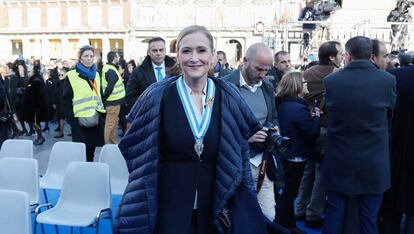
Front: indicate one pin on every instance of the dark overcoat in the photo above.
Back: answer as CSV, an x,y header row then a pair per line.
x,y
34,101
401,195
359,101
141,78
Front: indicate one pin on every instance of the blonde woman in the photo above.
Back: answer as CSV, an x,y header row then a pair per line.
x,y
187,152
301,125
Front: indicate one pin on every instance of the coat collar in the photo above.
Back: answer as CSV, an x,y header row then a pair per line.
x,y
360,64
234,78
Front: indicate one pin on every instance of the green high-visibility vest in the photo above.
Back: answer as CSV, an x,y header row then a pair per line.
x,y
85,101
119,90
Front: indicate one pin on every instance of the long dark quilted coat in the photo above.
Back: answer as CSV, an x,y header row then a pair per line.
x,y
137,212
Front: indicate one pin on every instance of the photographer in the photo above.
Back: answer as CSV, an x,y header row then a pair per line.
x,y
258,92
302,127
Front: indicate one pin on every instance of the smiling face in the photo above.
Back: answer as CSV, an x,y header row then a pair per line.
x,y
195,55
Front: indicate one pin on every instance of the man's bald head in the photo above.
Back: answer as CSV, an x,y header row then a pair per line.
x,y
258,49
257,61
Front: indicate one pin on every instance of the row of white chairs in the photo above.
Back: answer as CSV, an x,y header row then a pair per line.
x,y
84,200
65,152
67,170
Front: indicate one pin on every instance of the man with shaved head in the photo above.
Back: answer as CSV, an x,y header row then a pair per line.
x,y
259,94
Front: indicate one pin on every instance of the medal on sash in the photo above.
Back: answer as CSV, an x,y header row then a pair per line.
x,y
199,129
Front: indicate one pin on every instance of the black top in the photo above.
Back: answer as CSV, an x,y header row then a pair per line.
x,y
182,172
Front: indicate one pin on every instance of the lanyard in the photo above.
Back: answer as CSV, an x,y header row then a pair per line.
x,y
199,129
94,87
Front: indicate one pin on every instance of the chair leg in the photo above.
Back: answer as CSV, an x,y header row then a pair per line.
x,y
56,229
45,195
81,230
71,230
111,219
35,226
43,228
97,228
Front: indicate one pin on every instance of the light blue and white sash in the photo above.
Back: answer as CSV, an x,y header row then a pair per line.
x,y
199,129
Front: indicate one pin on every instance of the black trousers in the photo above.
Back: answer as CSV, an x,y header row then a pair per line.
x,y
285,214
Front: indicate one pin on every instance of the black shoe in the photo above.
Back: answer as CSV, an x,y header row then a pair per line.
x,y
39,141
45,129
70,134
315,223
23,132
300,218
297,231
59,136
29,133
57,129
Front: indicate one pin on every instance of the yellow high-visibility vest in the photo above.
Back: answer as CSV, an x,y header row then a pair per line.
x,y
119,90
85,101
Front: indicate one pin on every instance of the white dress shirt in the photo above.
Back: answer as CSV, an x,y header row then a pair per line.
x,y
252,88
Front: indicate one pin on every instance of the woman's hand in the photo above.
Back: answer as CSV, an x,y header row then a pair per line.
x,y
316,112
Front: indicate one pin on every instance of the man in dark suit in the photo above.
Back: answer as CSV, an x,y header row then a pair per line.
x,y
154,68
222,67
259,94
359,102
379,56
399,199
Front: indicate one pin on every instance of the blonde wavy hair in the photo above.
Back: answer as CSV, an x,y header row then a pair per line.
x,y
291,85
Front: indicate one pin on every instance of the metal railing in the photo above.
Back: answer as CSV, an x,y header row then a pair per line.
x,y
292,32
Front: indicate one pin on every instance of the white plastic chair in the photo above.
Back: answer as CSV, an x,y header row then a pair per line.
x,y
62,154
21,174
85,197
15,218
17,148
111,155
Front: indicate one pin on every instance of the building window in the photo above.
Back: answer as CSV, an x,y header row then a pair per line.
x,y
95,17
117,45
17,47
115,16
74,46
55,49
74,17
97,45
53,17
15,18
34,16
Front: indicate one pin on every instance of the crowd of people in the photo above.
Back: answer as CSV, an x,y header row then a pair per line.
x,y
254,149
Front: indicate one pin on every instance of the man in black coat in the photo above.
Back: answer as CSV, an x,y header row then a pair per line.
x,y
221,69
399,199
282,64
4,114
154,68
359,102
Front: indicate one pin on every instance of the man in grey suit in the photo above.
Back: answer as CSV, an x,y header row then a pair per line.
x,y
359,101
258,92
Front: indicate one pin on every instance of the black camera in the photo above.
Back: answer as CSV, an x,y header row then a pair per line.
x,y
274,141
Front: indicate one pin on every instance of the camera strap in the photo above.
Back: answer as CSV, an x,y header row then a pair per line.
x,y
262,174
